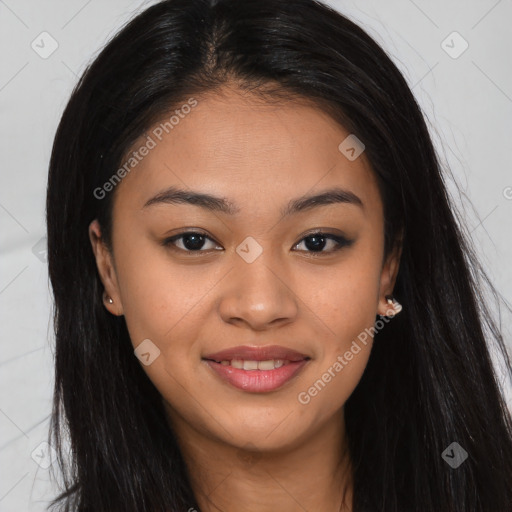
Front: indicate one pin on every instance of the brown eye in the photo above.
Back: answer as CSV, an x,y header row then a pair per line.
x,y
317,242
190,241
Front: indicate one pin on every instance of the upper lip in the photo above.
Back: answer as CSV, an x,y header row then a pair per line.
x,y
249,353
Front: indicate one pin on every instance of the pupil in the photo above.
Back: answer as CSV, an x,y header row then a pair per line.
x,y
197,241
316,244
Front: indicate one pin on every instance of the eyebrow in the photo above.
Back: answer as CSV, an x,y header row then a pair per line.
x,y
213,203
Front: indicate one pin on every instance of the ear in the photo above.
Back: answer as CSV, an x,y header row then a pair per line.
x,y
106,269
388,278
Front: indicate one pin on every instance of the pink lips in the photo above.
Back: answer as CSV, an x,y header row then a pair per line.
x,y
257,381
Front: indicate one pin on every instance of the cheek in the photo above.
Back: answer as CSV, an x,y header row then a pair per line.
x,y
344,353
161,299
343,299
166,304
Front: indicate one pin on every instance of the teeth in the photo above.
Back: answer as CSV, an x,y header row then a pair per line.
x,y
266,365
250,365
271,364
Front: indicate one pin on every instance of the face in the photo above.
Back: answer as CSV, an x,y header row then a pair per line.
x,y
192,278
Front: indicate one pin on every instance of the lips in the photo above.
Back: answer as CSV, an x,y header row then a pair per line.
x,y
256,369
257,354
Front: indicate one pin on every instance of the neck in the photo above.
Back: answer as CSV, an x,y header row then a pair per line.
x,y
311,474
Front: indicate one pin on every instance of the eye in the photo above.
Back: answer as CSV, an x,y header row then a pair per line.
x,y
196,241
190,241
316,242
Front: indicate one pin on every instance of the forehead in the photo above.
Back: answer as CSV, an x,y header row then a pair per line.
x,y
239,146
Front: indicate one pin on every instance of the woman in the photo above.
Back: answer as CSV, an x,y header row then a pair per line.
x,y
263,298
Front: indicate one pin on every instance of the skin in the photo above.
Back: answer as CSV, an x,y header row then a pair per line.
x,y
251,451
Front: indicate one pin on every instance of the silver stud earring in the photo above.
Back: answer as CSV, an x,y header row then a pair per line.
x,y
109,299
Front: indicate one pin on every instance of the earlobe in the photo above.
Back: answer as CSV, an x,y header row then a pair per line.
x,y
106,269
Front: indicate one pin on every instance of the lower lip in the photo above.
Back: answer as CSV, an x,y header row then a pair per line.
x,y
257,381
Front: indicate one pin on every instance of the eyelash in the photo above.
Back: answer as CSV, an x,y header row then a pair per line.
x,y
339,240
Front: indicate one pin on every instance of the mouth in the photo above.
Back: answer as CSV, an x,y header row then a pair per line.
x,y
256,369
247,364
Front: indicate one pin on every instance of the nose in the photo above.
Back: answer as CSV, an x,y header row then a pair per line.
x,y
259,295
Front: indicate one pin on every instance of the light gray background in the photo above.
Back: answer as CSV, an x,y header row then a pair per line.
x,y
467,100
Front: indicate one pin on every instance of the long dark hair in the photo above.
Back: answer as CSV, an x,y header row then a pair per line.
x,y
430,379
